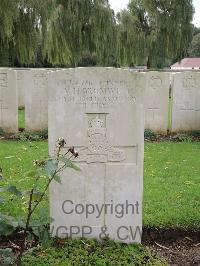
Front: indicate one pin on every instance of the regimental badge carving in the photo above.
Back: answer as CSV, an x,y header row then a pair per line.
x,y
99,148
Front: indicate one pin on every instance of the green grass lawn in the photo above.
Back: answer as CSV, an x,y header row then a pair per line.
x,y
169,113
21,118
171,179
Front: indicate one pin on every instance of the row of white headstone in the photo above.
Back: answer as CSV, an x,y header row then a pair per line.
x,y
30,86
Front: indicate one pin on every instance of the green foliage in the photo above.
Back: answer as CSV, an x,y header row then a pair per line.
x,y
8,16
6,257
187,136
68,163
2,133
88,59
182,137
196,31
74,32
195,134
150,135
47,169
31,136
194,49
58,31
88,26
163,24
91,252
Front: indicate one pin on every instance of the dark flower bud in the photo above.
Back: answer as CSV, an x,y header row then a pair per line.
x,y
71,149
61,142
76,154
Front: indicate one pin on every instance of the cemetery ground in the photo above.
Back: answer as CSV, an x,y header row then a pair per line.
x,y
171,216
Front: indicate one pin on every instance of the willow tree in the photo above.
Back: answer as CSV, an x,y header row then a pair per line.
x,y
76,26
130,41
194,49
61,30
28,29
158,29
8,16
21,22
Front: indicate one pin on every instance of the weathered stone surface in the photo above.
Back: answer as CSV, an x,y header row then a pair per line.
x,y
36,100
98,111
21,86
156,101
186,101
8,101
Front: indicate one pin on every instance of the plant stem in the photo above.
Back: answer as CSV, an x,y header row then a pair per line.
x,y
32,208
43,194
23,244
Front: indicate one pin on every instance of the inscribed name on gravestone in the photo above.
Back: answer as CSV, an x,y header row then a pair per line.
x,y
36,100
98,111
8,101
156,101
186,102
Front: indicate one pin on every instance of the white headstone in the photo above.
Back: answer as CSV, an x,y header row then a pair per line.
x,y
186,101
157,101
98,111
8,101
36,100
21,86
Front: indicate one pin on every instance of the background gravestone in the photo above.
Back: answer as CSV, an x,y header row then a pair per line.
x,y
36,100
98,111
186,101
8,101
156,101
21,86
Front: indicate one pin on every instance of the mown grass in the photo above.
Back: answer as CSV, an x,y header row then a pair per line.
x,y
172,184
169,113
16,158
171,180
21,118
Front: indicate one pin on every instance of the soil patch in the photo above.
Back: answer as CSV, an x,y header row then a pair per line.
x,y
176,246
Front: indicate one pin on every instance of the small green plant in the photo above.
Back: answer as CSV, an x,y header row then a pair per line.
x,y
150,135
6,257
31,136
196,135
2,133
91,252
183,137
43,134
48,169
